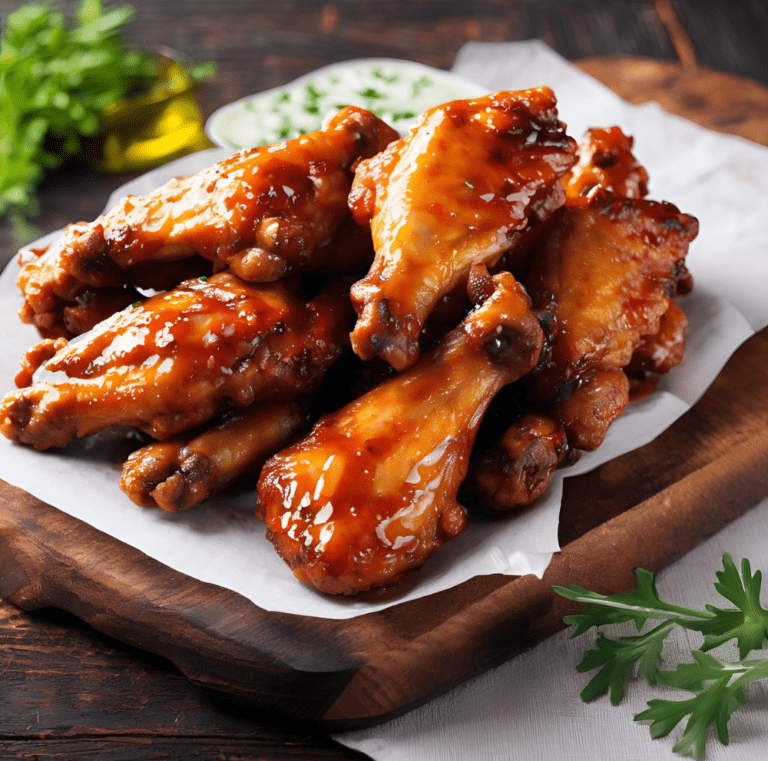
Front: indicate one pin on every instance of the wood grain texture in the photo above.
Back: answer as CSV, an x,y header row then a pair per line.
x,y
70,692
716,100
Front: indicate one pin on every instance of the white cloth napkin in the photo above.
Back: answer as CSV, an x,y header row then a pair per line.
x,y
530,707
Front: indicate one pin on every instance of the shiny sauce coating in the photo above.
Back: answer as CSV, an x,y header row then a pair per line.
x,y
370,493
451,194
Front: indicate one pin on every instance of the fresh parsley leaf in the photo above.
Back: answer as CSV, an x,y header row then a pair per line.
x,y
717,686
57,81
639,606
718,692
749,623
712,706
618,659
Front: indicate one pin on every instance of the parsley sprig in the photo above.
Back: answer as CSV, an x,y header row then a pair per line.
x,y
56,81
717,686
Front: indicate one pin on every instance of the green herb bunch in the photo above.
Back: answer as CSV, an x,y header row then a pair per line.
x,y
717,686
56,82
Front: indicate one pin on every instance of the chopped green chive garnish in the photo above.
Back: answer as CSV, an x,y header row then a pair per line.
x,y
313,92
369,92
379,74
420,84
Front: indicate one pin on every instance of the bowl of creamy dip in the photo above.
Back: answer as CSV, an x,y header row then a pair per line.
x,y
396,90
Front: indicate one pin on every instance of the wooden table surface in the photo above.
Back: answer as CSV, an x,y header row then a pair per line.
x,y
69,692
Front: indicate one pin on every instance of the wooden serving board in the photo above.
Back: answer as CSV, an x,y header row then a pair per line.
x,y
646,509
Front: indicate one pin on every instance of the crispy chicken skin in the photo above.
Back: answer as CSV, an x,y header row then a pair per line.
x,y
370,493
606,159
660,352
263,212
173,362
184,470
87,305
601,277
451,194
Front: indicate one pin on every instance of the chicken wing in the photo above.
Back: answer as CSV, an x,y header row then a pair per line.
x,y
606,159
587,414
370,493
180,472
519,467
601,277
87,305
171,363
263,212
600,273
451,194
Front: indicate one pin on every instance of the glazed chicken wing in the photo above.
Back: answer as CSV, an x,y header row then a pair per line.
x,y
587,414
370,493
600,273
264,212
606,159
601,277
519,467
453,193
87,305
182,471
174,361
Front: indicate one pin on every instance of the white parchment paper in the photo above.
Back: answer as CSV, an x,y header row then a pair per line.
x,y
719,179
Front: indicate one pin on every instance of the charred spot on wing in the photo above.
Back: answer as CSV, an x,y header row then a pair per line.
x,y
605,159
670,287
674,223
547,322
506,343
683,279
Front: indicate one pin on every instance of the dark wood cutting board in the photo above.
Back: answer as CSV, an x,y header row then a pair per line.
x,y
646,509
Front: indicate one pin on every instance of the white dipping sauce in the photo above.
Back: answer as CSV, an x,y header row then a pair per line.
x,y
396,91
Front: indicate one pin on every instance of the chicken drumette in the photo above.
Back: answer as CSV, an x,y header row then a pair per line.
x,y
173,362
370,493
453,193
265,212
